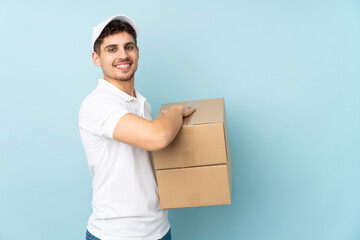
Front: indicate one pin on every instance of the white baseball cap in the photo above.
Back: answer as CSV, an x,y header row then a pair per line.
x,y
100,27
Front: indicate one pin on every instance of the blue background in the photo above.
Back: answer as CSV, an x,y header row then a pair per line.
x,y
288,70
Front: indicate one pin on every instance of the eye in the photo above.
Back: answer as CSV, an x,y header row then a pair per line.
x,y
111,50
130,47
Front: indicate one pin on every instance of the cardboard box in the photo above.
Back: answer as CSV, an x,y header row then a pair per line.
x,y
195,169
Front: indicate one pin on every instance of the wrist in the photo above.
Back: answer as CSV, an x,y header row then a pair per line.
x,y
178,108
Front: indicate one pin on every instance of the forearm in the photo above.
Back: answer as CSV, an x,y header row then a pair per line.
x,y
168,125
151,135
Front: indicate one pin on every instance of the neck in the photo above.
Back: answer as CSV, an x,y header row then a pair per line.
x,y
125,86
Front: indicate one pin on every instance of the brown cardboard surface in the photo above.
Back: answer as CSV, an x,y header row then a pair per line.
x,y
194,146
195,169
192,187
207,111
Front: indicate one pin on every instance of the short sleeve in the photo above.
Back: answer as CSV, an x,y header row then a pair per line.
x,y
100,115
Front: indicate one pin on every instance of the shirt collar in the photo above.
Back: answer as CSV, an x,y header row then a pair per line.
x,y
113,90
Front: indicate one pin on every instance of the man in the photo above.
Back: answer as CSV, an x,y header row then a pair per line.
x,y
117,132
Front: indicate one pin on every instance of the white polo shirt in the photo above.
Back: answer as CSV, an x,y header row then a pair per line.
x,y
125,195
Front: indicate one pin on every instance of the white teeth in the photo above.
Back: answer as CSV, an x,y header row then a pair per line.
x,y
123,65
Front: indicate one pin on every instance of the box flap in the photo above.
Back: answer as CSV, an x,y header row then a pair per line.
x,y
197,145
193,187
207,111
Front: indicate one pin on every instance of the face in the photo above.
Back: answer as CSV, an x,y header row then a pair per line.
x,y
118,57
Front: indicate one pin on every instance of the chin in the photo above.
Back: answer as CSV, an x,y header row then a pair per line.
x,y
125,79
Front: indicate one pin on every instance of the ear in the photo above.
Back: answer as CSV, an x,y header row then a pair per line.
x,y
138,51
96,59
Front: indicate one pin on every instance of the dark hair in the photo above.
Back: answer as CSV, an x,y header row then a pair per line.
x,y
113,27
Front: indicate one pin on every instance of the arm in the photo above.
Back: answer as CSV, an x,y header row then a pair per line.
x,y
151,135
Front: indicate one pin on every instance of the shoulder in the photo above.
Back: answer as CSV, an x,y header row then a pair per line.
x,y
99,99
99,113
99,103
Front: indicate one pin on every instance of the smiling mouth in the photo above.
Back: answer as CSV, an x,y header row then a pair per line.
x,y
123,66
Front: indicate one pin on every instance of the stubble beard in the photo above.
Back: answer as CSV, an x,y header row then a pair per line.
x,y
127,76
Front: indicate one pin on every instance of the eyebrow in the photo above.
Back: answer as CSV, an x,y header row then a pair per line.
x,y
115,45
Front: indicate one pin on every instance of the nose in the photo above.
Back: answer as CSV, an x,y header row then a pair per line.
x,y
122,54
